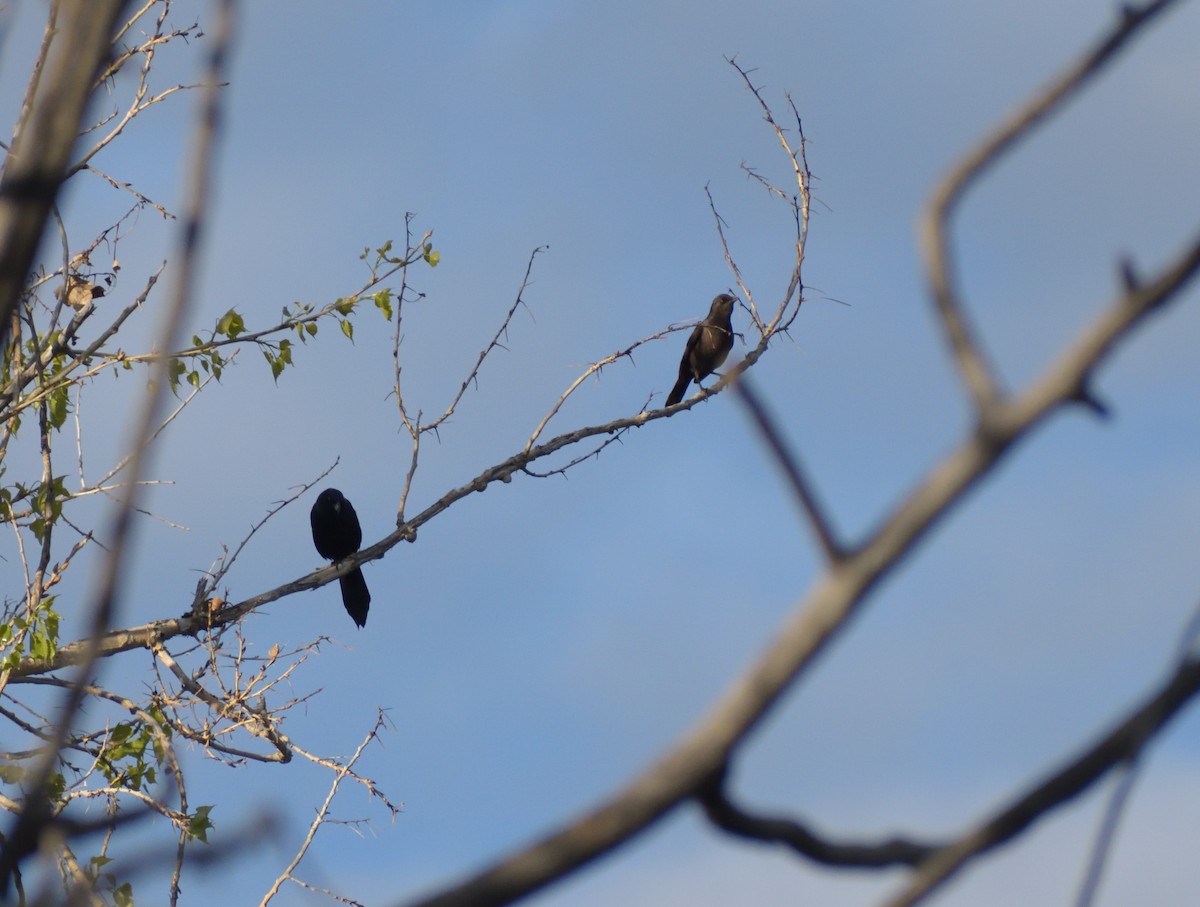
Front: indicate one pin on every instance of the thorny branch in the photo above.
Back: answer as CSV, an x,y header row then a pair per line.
x,y
142,636
695,768
212,692
34,819
688,768
322,816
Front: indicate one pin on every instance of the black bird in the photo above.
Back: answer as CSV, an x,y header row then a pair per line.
x,y
337,535
709,344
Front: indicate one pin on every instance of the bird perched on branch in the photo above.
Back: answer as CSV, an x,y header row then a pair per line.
x,y
337,535
709,344
79,292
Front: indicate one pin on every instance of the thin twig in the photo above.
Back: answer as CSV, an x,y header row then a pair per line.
x,y
323,812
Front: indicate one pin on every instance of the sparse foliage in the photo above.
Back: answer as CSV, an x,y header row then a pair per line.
x,y
71,741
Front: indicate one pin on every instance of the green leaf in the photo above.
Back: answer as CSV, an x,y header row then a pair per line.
x,y
11,774
123,895
175,370
40,647
277,365
383,302
55,785
199,823
345,306
50,619
431,257
231,324
348,329
57,408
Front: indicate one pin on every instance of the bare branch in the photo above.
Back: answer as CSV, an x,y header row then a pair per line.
x,y
1120,745
228,561
493,344
722,813
322,814
790,465
799,202
837,596
940,264
595,369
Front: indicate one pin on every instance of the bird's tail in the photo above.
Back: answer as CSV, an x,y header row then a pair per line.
x,y
678,390
356,596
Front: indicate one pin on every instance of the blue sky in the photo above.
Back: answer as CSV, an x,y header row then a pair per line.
x,y
542,642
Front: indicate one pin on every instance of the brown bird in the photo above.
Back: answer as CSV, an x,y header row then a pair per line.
x,y
709,344
79,292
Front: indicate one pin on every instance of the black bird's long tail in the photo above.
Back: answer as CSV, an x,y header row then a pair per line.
x,y
356,596
680,388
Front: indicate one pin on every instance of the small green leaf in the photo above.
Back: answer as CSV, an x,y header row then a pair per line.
x,y
55,785
50,620
431,257
40,648
383,302
123,895
175,370
231,324
348,329
57,408
199,823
